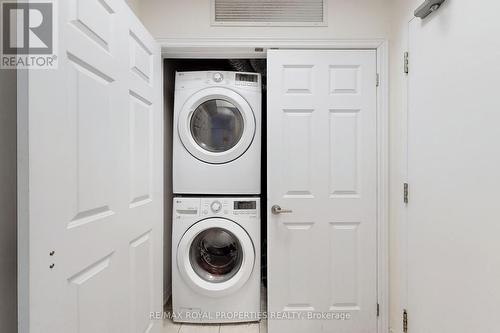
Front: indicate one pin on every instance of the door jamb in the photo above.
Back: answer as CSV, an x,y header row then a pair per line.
x,y
256,47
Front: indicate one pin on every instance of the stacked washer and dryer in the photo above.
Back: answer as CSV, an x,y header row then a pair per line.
x,y
216,209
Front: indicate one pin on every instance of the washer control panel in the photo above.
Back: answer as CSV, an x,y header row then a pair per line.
x,y
186,207
223,206
218,77
215,206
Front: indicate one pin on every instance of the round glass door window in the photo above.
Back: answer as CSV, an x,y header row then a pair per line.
x,y
216,255
217,125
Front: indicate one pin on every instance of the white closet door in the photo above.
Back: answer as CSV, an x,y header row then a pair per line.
x,y
90,173
322,165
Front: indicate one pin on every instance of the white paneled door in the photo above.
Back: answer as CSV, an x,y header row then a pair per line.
x,y
91,193
322,173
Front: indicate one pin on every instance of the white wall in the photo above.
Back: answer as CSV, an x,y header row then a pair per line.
x,y
191,18
134,5
8,234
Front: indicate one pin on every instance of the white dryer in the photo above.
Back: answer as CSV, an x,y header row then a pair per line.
x,y
216,260
217,133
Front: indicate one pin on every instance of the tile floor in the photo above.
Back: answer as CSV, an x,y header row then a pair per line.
x,y
261,327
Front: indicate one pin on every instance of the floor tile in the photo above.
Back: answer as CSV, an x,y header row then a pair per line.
x,y
240,328
199,328
263,326
170,327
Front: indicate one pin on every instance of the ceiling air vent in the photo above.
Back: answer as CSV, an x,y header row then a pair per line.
x,y
269,12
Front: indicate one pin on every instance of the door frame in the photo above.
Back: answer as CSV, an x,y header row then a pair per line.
x,y
256,47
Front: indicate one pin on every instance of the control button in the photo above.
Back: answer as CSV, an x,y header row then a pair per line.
x,y
205,212
216,206
218,77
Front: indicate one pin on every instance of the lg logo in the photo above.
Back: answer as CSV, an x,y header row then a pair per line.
x,y
27,28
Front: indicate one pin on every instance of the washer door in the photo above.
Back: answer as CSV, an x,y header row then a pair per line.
x,y
216,125
215,257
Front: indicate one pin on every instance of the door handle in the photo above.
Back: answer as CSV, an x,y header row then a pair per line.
x,y
278,210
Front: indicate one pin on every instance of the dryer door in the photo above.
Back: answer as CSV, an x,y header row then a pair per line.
x,y
216,125
216,257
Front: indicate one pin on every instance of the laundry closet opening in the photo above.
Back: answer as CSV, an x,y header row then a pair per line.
x,y
323,179
171,67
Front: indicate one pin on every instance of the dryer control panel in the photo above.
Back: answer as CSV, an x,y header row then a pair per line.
x,y
240,80
247,79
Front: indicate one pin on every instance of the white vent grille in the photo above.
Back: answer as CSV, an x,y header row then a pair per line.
x,y
269,12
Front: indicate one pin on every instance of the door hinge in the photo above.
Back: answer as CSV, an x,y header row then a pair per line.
x,y
405,321
405,193
407,62
378,79
378,310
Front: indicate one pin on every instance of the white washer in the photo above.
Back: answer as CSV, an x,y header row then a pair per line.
x,y
216,260
217,133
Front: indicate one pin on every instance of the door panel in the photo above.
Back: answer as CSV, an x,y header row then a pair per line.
x,y
299,276
142,282
343,266
94,18
91,248
322,166
344,168
92,298
297,131
141,158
